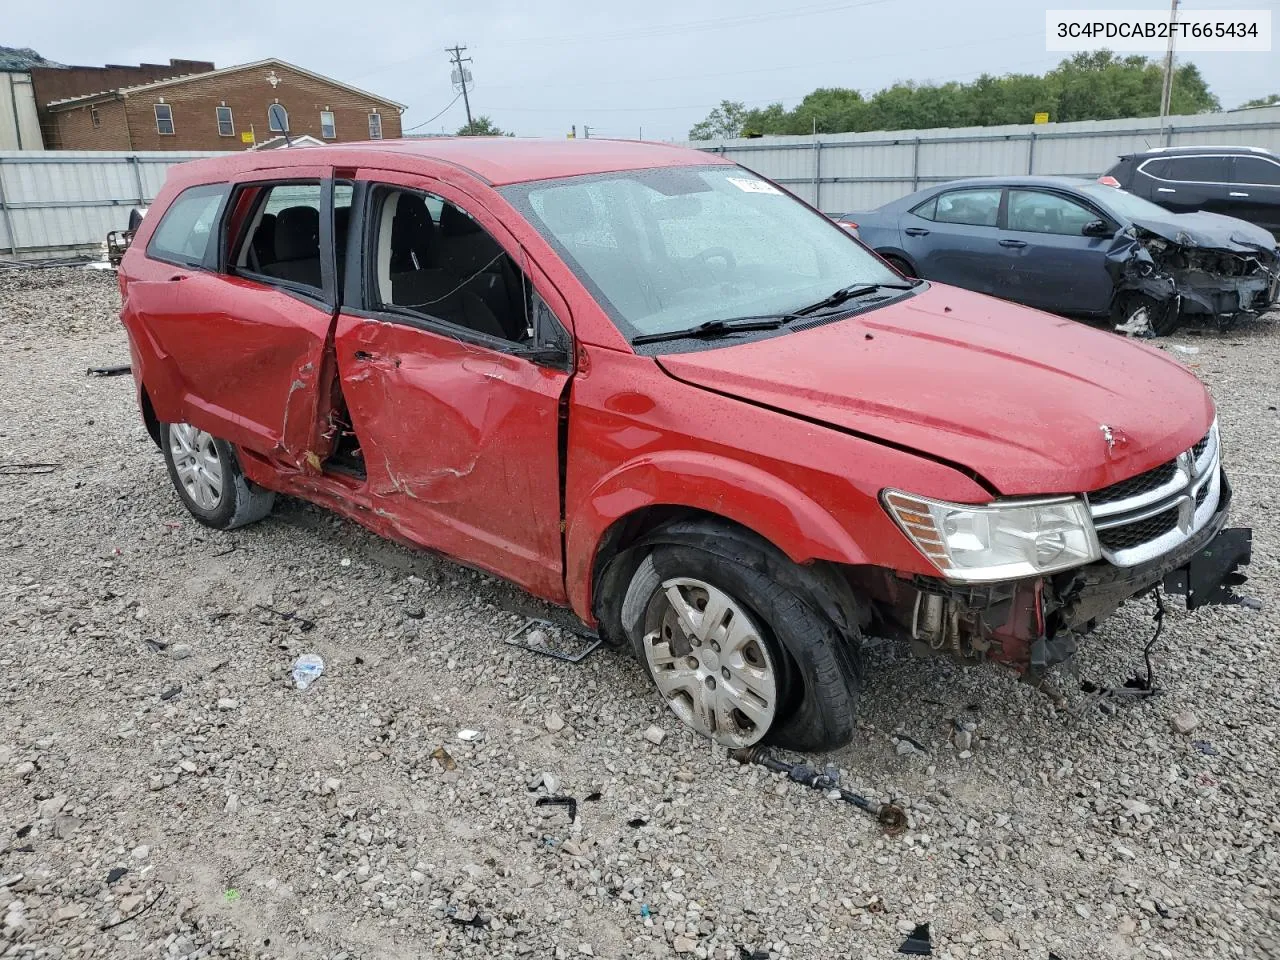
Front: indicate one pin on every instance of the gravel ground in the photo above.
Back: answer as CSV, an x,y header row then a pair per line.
x,y
165,792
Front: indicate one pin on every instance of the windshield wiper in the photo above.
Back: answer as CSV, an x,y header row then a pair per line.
x,y
718,328
768,321
845,294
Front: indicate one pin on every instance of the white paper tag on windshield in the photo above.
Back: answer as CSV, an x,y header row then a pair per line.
x,y
752,186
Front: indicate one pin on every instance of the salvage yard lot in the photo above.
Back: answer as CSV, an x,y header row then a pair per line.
x,y
147,723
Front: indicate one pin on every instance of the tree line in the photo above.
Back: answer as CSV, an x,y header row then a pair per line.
x,y
1088,86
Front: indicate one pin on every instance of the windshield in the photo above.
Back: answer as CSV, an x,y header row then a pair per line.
x,y
671,248
1125,203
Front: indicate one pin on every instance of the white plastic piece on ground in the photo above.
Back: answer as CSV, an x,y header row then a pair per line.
x,y
470,736
307,669
1138,324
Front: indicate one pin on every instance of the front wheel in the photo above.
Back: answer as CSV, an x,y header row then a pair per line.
x,y
208,479
1142,316
736,655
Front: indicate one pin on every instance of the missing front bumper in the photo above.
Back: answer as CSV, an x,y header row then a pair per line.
x,y
1208,577
1033,624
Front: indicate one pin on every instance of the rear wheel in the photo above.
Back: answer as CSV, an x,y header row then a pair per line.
x,y
208,479
736,655
901,266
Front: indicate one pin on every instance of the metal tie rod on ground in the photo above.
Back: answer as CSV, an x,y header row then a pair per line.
x,y
891,817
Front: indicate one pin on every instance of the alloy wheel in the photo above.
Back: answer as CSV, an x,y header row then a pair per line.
x,y
195,459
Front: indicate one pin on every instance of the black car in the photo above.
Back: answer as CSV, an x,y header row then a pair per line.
x,y
1240,182
1078,248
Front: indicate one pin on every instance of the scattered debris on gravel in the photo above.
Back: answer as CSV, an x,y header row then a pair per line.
x,y
166,790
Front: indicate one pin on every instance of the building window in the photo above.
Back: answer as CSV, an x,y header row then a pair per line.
x,y
164,119
226,124
94,118
328,129
277,120
375,126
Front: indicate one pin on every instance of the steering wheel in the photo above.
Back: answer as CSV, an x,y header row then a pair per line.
x,y
720,253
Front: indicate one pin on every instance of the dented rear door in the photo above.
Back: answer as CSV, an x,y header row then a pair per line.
x,y
243,352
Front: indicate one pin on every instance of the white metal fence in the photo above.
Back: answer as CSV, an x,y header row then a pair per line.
x,y
60,203
842,172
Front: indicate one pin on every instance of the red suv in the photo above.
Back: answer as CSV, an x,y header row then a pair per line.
x,y
650,385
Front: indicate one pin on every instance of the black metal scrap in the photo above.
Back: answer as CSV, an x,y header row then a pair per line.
x,y
893,818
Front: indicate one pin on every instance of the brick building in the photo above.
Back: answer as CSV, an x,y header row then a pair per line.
x,y
209,109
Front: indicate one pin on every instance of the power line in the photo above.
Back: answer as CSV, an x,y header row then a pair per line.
x,y
436,117
658,30
630,81
708,106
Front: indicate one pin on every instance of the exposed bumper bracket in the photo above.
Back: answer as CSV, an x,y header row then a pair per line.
x,y
1210,574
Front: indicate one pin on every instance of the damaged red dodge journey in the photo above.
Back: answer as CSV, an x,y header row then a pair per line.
x,y
645,383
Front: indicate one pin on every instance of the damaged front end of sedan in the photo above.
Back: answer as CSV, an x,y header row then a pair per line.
x,y
1164,275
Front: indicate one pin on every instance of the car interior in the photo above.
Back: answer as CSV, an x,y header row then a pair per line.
x,y
448,268
284,243
1035,212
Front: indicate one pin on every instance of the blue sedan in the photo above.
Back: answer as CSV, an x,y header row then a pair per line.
x,y
1077,247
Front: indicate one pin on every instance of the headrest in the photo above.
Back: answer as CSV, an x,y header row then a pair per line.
x,y
455,223
411,233
297,234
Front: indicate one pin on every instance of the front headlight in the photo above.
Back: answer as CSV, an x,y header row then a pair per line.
x,y
997,541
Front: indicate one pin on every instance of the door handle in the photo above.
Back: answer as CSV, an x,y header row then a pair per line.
x,y
916,232
1236,193
1013,243
1165,190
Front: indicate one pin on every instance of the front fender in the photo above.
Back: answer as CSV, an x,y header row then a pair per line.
x,y
757,500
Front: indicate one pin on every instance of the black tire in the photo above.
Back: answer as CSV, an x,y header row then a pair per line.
x,y
901,266
819,672
239,502
1162,318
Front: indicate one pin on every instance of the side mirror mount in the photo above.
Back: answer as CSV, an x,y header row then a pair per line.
x,y
545,355
1097,228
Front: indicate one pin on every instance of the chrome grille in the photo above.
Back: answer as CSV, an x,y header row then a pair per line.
x,y
1140,518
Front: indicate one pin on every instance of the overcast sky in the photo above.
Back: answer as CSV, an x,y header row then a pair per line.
x,y
656,66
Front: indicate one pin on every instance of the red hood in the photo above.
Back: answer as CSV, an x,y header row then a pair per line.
x,y
1016,395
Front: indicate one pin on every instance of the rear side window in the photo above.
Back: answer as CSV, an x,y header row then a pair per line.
x,y
927,209
283,239
1257,170
1158,168
981,208
189,225
1197,169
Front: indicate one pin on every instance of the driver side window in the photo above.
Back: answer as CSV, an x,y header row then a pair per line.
x,y
1033,211
432,260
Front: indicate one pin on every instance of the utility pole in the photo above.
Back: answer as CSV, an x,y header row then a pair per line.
x,y
586,132
461,77
1167,92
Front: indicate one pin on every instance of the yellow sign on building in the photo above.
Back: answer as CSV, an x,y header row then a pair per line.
x,y
248,137
1042,118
